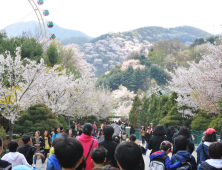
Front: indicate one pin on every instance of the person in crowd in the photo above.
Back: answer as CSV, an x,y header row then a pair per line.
x,y
39,144
175,135
159,135
167,130
70,132
142,133
185,132
47,143
79,133
132,138
220,139
73,126
28,150
148,135
171,133
128,156
104,123
53,163
100,137
95,132
202,149
13,157
82,166
94,126
182,154
69,151
88,144
107,122
78,126
61,130
151,127
117,129
165,149
116,139
52,132
132,130
4,164
101,126
57,133
113,123
99,157
215,161
109,145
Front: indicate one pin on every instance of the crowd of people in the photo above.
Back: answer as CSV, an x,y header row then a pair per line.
x,y
86,148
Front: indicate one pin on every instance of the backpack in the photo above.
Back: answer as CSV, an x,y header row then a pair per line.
x,y
158,163
186,166
206,166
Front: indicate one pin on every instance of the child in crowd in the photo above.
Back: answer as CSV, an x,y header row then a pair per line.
x,y
79,133
39,144
53,163
13,157
116,139
61,130
100,137
47,143
69,152
57,133
128,156
182,154
98,157
215,153
202,149
165,149
28,150
52,132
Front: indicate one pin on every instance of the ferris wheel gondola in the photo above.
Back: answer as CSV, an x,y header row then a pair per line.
x,y
46,12
40,2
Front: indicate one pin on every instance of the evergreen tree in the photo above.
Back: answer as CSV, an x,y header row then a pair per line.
x,y
38,117
136,82
159,75
153,111
52,54
201,121
134,114
63,122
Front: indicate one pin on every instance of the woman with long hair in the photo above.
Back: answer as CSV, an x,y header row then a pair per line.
x,y
47,139
57,132
159,135
171,132
88,144
100,137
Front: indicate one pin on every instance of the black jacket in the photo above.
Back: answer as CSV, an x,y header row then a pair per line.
x,y
110,147
132,131
41,142
155,142
148,136
5,165
142,165
28,151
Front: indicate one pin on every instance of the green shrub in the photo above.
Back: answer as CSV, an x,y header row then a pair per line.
x,y
201,121
2,133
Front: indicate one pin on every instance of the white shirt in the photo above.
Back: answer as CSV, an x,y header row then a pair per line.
x,y
16,158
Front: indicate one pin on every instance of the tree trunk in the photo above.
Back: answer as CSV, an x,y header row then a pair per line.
x,y
69,121
10,132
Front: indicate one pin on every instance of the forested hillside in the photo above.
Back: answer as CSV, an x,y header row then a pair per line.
x,y
134,79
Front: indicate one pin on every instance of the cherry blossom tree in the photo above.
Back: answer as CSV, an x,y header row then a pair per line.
x,y
200,85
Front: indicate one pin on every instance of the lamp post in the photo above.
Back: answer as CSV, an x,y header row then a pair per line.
x,y
183,115
140,108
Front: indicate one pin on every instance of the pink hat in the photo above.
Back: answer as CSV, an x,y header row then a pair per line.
x,y
210,131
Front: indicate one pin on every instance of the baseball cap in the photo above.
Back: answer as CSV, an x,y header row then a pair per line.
x,y
210,131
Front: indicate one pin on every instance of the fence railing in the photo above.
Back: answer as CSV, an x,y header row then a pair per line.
x,y
197,134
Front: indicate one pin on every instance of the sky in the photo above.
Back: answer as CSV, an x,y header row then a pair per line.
x,y
97,17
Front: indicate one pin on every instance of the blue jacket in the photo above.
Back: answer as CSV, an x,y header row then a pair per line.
x,y
200,153
184,156
168,164
56,135
53,163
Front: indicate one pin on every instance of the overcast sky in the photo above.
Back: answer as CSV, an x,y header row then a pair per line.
x,y
96,17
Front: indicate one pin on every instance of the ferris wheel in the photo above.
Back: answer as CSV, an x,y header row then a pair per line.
x,y
39,14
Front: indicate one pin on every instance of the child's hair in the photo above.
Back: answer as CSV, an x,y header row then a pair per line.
x,y
87,129
12,146
52,130
211,137
116,139
80,132
108,132
54,141
165,145
82,166
26,139
68,151
61,128
215,150
99,155
181,142
47,133
55,130
128,155
132,138
38,132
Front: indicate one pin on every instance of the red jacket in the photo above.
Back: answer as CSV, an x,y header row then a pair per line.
x,y
86,142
